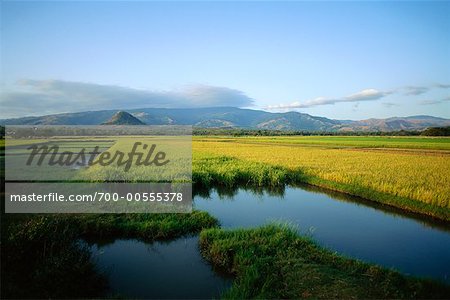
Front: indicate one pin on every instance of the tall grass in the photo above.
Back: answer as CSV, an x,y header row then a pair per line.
x,y
226,171
273,262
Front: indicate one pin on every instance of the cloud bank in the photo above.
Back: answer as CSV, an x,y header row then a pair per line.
x,y
39,97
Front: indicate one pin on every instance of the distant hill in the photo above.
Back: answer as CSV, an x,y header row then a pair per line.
x,y
123,118
395,124
232,117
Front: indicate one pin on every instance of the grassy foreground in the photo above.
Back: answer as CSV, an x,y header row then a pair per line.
x,y
413,180
43,257
274,262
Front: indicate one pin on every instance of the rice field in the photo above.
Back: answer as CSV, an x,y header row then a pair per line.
x,y
414,179
411,173
402,142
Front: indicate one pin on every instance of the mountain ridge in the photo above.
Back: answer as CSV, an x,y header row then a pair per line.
x,y
233,117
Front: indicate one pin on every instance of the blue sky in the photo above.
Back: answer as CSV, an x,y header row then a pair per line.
x,y
343,60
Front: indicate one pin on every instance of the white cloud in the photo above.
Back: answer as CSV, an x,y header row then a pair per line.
x,y
38,97
364,95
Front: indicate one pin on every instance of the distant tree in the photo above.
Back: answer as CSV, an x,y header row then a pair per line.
x,y
437,131
267,132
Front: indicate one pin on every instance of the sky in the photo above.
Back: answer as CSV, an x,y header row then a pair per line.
x,y
341,60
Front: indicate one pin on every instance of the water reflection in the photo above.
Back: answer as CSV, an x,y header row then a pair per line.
x,y
169,270
348,225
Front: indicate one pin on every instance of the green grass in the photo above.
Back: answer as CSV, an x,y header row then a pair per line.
x,y
274,262
228,171
148,227
42,256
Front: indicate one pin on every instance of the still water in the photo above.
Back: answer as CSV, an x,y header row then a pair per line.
x,y
170,270
347,225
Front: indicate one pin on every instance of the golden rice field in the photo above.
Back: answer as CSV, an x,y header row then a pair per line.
x,y
403,178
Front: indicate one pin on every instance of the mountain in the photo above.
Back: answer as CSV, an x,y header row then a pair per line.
x,y
231,117
395,124
123,118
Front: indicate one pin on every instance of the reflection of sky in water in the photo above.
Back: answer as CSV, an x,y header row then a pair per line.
x,y
176,269
172,269
357,230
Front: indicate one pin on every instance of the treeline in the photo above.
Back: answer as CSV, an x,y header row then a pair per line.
x,y
263,132
432,131
29,131
436,131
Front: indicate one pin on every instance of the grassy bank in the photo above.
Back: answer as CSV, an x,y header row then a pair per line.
x,y
212,170
274,262
410,180
42,256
